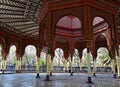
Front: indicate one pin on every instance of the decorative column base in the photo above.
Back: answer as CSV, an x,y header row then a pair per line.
x,y
2,71
71,74
114,75
37,76
94,74
119,78
18,71
66,71
89,80
47,78
50,73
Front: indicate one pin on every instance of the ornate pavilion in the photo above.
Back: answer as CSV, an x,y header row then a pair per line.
x,y
65,24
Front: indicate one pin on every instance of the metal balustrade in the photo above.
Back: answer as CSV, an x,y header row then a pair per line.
x,y
59,69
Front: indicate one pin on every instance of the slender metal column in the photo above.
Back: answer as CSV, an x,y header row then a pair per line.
x,y
113,68
48,68
51,67
88,65
20,64
3,65
3,61
37,67
94,67
65,65
16,67
71,66
118,63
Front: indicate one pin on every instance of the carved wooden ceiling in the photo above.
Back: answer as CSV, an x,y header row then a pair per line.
x,y
20,16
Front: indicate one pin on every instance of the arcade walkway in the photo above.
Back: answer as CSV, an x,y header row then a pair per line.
x,y
57,80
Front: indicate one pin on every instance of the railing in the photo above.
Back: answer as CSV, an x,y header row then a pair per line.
x,y
104,69
60,69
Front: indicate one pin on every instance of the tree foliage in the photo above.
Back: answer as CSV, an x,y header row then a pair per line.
x,y
103,58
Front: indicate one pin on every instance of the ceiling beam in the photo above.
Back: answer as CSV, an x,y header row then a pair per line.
x,y
11,18
33,32
14,20
33,1
26,28
17,14
11,10
35,29
11,5
22,24
19,1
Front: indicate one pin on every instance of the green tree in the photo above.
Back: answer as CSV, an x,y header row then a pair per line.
x,y
42,62
103,58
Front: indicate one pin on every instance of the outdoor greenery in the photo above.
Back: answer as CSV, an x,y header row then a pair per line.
x,y
103,58
29,59
11,58
42,62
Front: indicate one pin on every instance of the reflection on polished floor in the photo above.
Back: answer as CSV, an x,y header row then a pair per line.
x,y
57,80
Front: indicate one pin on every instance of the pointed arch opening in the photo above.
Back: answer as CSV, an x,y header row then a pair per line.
x,y
29,57
103,57
11,58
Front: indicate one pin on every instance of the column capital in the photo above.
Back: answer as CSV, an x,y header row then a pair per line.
x,y
38,52
113,54
49,51
4,54
94,54
88,43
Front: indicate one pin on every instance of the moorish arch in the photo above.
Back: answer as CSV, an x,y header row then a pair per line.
x,y
11,57
43,57
30,57
60,17
61,42
103,57
13,44
80,45
101,41
84,57
76,58
106,19
58,57
67,15
69,26
102,34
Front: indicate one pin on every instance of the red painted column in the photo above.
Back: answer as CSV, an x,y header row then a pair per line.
x,y
87,24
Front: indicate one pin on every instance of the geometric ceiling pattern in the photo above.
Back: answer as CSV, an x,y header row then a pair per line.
x,y
20,16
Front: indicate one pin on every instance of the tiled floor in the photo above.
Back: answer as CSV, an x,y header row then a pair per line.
x,y
57,80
